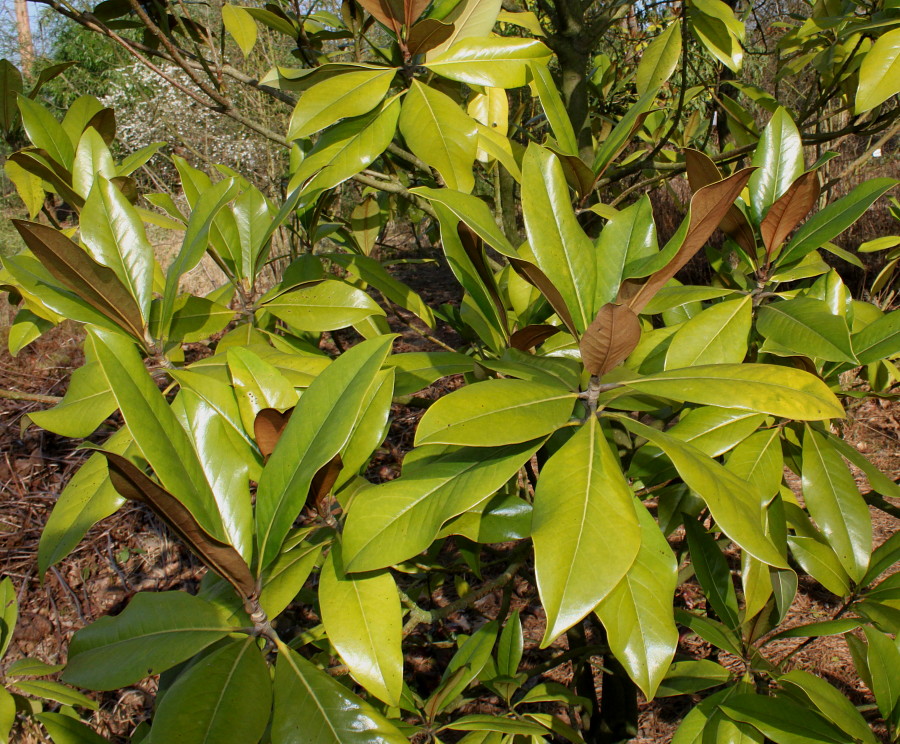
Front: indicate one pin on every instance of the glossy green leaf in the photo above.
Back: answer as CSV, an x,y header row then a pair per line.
x,y
758,460
49,690
554,108
284,578
64,729
659,59
779,161
493,61
319,428
806,326
156,431
475,213
81,111
86,404
351,94
196,240
373,272
629,236
879,74
253,219
510,646
814,630
782,721
685,677
155,632
467,663
819,561
718,335
711,631
29,186
92,160
10,86
45,132
240,24
88,497
834,501
622,132
418,369
585,530
114,234
878,340
483,722
325,306
257,385
561,248
7,703
312,708
834,219
883,658
764,388
713,573
735,505
441,134
830,703
637,613
226,696
346,148
396,520
494,413
719,31
470,19
362,616
9,613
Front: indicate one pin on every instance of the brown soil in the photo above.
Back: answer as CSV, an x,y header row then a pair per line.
x,y
131,551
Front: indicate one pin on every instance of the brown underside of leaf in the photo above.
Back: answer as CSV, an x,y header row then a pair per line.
x,y
708,206
537,278
427,34
61,181
389,12
104,121
132,483
789,210
702,171
578,173
531,336
474,248
322,483
412,9
96,284
610,338
268,426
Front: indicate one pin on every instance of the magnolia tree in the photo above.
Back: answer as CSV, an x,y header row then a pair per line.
x,y
618,434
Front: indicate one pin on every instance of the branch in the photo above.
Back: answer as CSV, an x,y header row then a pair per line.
x,y
33,397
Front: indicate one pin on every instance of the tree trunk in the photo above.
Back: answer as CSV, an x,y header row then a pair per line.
x,y
26,45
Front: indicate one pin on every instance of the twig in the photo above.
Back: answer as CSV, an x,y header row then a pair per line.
x,y
33,397
70,593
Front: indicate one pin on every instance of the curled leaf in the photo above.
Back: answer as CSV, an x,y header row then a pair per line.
x,y
531,336
134,484
323,481
610,338
267,428
789,210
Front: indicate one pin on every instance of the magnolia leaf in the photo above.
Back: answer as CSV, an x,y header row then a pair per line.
x,y
708,206
156,631
427,34
470,19
789,210
494,413
441,134
240,24
702,171
610,338
362,616
221,557
226,696
583,495
351,94
494,62
718,335
94,283
637,613
779,161
532,336
879,74
324,306
389,12
312,708
659,59
268,426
